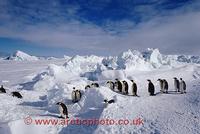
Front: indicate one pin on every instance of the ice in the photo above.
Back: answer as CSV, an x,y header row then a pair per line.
x,y
45,82
21,56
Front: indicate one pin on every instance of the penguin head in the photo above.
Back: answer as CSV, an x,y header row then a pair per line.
x,y
148,80
116,79
175,78
132,80
181,79
73,87
158,79
59,103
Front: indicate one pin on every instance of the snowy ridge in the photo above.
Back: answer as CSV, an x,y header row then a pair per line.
x,y
21,56
172,113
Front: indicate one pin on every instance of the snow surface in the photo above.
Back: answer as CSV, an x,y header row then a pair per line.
x,y
21,56
45,82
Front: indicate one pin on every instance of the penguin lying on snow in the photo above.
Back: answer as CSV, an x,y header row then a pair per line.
x,y
2,89
16,94
63,110
87,87
95,85
110,101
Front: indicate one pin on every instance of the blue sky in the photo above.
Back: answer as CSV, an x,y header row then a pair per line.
x,y
101,27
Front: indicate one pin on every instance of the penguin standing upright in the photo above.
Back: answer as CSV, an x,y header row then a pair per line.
x,y
161,85
110,84
182,86
165,86
125,85
151,88
63,110
134,88
74,98
118,85
78,95
2,89
176,84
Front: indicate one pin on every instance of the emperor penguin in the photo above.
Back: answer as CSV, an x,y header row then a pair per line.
x,y
95,85
161,85
118,85
151,88
109,101
182,86
74,98
63,110
110,85
16,94
134,88
165,86
176,84
87,87
125,85
78,95
2,89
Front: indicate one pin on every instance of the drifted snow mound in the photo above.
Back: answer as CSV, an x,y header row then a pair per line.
x,y
129,60
21,56
49,77
81,64
147,60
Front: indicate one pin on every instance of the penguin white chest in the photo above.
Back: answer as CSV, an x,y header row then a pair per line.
x,y
60,109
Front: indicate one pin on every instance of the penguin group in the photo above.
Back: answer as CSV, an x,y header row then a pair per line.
x,y
163,85
93,85
76,95
122,86
180,86
14,94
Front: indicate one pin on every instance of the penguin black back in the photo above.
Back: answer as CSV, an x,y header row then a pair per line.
x,y
64,108
16,94
2,89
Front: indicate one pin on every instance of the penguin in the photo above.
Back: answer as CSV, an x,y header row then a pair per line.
x,y
74,98
110,84
161,85
95,85
63,110
165,86
151,88
16,94
182,86
87,87
78,95
176,84
2,89
118,85
125,85
110,101
134,88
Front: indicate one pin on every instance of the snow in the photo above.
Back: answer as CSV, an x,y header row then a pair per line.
x,y
22,56
43,83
